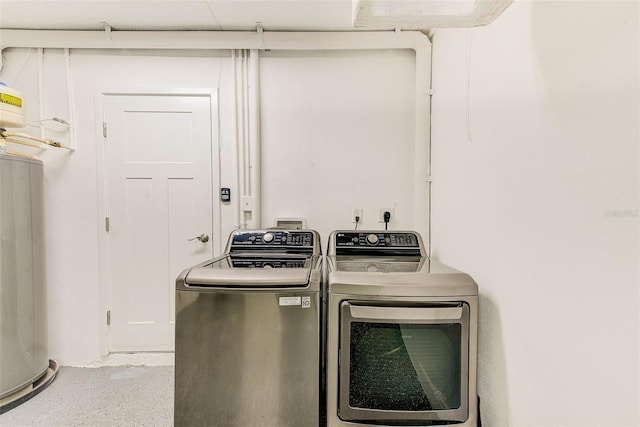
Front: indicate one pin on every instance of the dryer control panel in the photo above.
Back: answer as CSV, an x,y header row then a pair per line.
x,y
376,243
368,239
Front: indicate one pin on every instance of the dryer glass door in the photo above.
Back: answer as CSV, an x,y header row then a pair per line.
x,y
403,364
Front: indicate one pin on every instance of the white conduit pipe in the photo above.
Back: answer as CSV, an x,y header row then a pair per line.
x,y
422,144
211,40
236,106
246,169
71,110
43,133
253,82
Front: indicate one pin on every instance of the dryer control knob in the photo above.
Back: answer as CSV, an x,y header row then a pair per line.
x,y
372,239
267,238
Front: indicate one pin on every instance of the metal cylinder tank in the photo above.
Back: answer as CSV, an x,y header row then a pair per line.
x,y
23,315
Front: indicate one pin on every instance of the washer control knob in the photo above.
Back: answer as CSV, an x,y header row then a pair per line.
x,y
267,238
372,239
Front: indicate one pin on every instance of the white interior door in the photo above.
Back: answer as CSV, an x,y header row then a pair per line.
x,y
160,194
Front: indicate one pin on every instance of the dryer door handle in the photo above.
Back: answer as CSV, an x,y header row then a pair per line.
x,y
405,313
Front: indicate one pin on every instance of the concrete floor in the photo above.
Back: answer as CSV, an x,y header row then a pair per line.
x,y
101,396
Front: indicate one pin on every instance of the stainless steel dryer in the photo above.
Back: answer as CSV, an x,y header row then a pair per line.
x,y
248,333
402,334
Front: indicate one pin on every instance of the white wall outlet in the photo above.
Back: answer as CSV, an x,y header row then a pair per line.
x,y
356,212
247,203
381,212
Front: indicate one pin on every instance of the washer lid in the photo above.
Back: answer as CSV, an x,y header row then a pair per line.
x,y
251,272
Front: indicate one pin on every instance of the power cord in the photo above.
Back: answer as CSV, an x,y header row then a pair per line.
x,y
357,221
387,217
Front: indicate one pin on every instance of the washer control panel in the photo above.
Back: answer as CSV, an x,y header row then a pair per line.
x,y
368,239
277,238
268,263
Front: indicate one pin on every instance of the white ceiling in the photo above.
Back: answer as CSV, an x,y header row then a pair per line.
x,y
219,15
228,15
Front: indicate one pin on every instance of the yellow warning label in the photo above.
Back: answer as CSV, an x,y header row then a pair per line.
x,y
5,98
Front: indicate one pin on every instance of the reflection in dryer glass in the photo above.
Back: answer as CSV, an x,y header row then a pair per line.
x,y
408,367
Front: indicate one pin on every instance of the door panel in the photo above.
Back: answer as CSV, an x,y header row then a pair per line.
x,y
159,190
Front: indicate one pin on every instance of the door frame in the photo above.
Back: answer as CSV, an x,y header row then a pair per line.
x,y
101,169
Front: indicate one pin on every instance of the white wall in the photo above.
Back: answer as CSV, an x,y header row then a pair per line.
x,y
71,181
322,112
540,204
535,194
338,133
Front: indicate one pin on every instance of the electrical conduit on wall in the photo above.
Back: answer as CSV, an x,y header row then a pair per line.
x,y
247,109
254,170
238,78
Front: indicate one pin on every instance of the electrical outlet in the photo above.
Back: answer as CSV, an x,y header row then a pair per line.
x,y
247,203
381,212
354,213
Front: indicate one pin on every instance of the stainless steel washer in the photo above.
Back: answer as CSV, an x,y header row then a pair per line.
x,y
248,333
402,334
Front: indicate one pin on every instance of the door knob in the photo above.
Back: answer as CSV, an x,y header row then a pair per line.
x,y
203,238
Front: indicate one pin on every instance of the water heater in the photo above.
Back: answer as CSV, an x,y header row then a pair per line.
x,y
12,113
23,314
